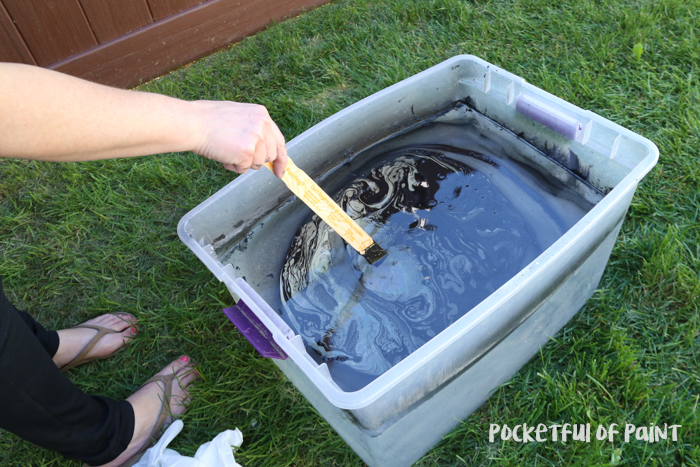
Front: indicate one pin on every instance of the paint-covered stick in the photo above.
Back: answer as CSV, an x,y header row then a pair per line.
x,y
323,205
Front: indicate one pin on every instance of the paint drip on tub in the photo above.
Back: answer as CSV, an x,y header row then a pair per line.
x,y
457,225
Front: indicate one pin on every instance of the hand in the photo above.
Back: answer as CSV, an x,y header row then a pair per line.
x,y
240,136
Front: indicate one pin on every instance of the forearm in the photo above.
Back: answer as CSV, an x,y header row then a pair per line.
x,y
50,116
46,115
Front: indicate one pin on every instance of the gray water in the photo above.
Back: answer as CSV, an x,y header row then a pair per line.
x,y
459,210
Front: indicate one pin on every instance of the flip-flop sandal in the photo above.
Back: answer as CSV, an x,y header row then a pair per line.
x,y
162,418
101,332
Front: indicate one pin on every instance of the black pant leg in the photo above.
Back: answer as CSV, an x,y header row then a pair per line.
x,y
39,404
48,339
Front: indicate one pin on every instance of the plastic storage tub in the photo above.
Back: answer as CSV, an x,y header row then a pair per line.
x,y
399,416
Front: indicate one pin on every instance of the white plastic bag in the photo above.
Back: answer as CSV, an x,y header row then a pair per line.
x,y
215,453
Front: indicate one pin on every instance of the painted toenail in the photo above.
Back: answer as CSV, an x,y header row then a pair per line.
x,y
133,331
184,358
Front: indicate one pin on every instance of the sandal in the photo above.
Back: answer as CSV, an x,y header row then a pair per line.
x,y
162,418
101,332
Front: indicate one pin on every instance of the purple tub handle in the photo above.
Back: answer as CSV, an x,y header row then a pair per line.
x,y
254,330
550,117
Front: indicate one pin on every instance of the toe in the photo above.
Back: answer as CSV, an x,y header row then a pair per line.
x,y
184,362
118,322
176,366
115,323
184,368
187,376
128,334
126,317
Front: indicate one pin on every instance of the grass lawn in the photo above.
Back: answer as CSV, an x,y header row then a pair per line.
x,y
78,240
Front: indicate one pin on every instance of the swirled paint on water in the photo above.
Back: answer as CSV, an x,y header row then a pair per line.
x,y
453,234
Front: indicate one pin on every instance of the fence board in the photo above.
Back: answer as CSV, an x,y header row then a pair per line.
x,y
165,45
12,46
112,18
52,30
163,8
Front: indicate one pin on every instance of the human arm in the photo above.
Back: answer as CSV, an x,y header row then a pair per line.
x,y
45,115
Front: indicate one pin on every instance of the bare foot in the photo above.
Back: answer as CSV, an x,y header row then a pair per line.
x,y
148,401
73,341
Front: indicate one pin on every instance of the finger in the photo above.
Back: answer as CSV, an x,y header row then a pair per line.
x,y
280,164
235,168
270,145
260,155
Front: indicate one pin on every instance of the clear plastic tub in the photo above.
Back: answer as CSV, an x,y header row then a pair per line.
x,y
397,418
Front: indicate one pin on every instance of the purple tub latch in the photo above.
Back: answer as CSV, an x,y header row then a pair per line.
x,y
254,330
550,117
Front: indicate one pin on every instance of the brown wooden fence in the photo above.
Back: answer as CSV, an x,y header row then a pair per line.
x,y
125,42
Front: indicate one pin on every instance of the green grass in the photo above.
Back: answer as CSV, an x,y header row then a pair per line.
x,y
77,240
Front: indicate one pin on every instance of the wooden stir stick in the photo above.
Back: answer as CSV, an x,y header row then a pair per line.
x,y
323,205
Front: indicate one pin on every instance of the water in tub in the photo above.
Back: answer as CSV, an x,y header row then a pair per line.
x,y
460,208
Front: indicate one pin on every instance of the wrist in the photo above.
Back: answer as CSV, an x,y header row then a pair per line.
x,y
195,131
